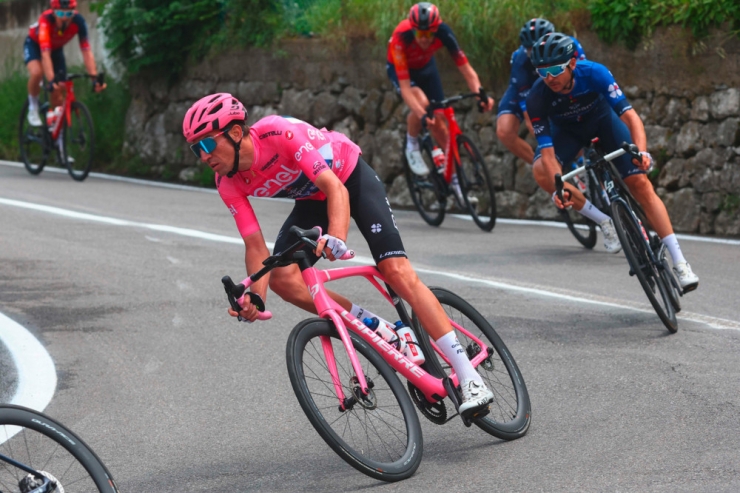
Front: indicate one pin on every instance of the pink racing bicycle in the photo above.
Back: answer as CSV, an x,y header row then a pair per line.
x,y
344,375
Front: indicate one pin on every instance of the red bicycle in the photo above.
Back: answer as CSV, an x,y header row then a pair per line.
x,y
462,174
71,138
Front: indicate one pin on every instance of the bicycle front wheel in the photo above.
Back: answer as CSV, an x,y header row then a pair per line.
x,y
427,192
33,141
511,413
476,185
79,142
378,434
40,443
636,250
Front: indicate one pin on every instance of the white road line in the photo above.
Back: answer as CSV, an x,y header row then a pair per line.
x,y
37,377
517,222
714,322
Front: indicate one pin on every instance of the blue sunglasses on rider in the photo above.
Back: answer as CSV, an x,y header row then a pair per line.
x,y
207,145
64,13
553,70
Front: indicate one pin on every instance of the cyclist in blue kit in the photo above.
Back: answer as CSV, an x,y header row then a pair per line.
x,y
512,108
573,102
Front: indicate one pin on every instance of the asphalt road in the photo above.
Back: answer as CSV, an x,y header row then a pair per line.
x,y
176,396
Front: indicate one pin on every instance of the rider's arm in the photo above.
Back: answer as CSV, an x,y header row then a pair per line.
x,y
408,97
255,253
44,36
471,78
637,132
337,204
528,122
47,65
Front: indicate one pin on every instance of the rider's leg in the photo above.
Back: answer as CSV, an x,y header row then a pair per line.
x,y
35,74
507,131
287,283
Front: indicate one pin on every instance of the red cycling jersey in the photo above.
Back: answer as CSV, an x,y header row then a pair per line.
x,y
404,52
289,154
49,37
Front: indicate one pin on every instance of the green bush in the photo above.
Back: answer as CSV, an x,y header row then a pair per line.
x,y
13,93
629,21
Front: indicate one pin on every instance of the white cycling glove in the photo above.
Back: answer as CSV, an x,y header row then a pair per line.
x,y
652,161
337,246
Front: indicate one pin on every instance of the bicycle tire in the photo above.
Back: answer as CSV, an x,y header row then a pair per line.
x,y
427,192
79,469
674,288
79,142
511,413
636,251
475,182
305,356
29,138
588,237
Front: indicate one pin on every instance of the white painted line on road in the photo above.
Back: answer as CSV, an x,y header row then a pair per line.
x,y
717,323
37,377
517,222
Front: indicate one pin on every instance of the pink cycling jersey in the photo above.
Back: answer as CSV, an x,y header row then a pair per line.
x,y
289,154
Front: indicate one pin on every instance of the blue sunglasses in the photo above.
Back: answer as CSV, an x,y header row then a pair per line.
x,y
553,70
64,13
207,145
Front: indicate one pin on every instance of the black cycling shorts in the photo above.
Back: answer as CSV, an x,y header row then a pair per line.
x,y
369,207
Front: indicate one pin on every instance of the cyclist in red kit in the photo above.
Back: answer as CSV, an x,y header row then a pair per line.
x,y
413,71
43,55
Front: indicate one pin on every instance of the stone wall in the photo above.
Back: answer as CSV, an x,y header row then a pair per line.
x,y
690,105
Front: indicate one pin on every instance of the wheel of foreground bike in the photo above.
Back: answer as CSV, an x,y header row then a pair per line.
x,y
636,250
388,445
33,142
510,414
476,185
39,442
79,142
427,192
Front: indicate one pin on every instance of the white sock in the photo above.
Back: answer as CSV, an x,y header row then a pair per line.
x,y
671,243
451,347
412,143
33,101
359,313
593,213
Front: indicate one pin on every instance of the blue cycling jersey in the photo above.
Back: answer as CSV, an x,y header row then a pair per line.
x,y
593,87
523,74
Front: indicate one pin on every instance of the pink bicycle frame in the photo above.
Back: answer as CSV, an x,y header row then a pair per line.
x,y
432,387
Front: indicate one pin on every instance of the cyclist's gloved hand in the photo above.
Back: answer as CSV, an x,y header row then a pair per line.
x,y
566,197
647,162
337,246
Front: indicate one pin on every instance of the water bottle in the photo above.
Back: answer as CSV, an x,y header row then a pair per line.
x,y
439,159
52,116
412,350
387,333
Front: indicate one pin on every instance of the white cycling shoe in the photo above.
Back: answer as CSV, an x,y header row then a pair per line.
x,y
686,277
476,398
416,162
611,240
33,118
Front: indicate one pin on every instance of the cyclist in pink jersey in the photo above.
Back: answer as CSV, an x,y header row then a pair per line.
x,y
326,175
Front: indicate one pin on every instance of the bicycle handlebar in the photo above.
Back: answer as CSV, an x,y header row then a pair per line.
x,y
236,293
446,103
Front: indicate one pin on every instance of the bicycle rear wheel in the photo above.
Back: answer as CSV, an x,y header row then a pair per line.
x,y
79,142
476,185
378,434
34,142
427,192
636,250
510,414
39,442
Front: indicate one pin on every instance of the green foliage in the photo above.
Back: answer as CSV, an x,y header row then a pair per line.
x,y
630,20
731,203
13,93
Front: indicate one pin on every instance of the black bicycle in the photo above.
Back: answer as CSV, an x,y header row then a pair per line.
x,y
70,139
461,172
40,455
646,255
582,228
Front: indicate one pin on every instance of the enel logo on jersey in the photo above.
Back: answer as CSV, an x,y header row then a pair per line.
x,y
278,182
